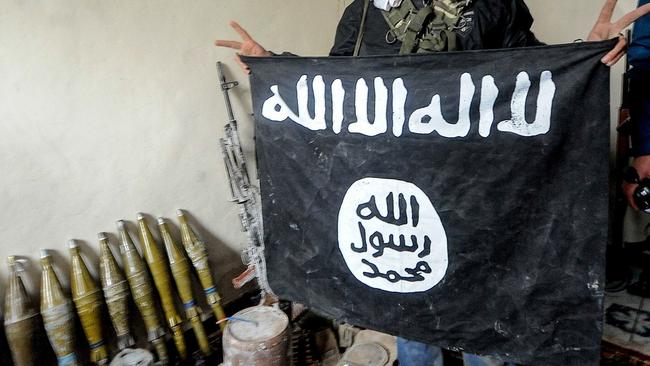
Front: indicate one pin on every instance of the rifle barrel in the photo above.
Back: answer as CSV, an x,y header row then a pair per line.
x,y
225,86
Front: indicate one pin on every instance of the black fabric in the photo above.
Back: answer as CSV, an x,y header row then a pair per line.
x,y
493,24
524,217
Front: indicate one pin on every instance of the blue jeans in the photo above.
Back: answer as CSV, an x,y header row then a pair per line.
x,y
411,353
474,360
640,108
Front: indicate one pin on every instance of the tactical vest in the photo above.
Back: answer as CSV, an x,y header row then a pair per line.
x,y
429,29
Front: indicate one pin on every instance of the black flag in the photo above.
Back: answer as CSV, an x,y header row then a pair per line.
x,y
457,199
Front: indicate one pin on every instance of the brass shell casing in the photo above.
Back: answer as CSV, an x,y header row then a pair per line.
x,y
142,291
198,254
116,293
88,300
182,277
20,318
58,316
161,278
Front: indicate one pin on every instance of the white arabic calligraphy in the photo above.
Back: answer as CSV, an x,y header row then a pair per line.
x,y
424,120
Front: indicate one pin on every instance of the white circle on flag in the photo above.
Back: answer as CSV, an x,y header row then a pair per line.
x,y
391,236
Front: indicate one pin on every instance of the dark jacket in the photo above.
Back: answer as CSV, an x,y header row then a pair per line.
x,y
494,24
639,53
639,58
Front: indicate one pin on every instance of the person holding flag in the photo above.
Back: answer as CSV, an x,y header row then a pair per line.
x,y
406,26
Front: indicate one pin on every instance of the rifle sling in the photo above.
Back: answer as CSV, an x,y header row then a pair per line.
x,y
362,28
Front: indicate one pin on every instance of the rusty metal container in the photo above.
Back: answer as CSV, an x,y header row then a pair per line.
x,y
257,336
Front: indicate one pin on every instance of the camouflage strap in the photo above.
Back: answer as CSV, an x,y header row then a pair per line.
x,y
430,29
398,20
362,28
414,28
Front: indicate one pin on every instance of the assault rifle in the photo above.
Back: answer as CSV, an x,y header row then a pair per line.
x,y
245,194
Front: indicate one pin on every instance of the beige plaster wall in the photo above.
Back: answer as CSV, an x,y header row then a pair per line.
x,y
108,108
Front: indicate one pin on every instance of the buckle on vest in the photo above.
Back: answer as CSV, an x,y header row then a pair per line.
x,y
390,37
416,23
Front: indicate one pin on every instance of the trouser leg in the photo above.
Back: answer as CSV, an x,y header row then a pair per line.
x,y
411,353
475,360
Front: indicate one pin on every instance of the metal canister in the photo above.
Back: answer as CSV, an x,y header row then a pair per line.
x,y
133,357
365,354
257,336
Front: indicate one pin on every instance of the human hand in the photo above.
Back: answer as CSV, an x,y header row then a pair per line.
x,y
247,47
642,166
605,29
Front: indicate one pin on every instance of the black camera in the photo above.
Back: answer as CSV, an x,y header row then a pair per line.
x,y
641,194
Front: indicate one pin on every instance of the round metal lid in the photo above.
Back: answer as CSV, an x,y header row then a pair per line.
x,y
365,354
258,323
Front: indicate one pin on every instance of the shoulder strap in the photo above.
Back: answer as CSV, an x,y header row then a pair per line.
x,y
362,28
414,28
449,11
398,19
